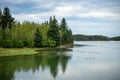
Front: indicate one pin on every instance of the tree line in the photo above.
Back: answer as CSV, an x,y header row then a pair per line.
x,y
30,34
81,37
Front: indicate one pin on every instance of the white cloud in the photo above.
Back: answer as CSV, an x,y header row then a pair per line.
x,y
62,10
69,10
100,14
72,9
30,17
45,4
15,1
21,1
84,14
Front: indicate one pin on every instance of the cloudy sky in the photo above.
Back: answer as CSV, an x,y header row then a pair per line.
x,y
91,17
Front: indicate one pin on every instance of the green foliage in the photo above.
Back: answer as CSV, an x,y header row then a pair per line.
x,y
9,43
28,43
0,17
48,42
80,37
45,42
1,33
24,31
38,38
51,42
53,31
6,18
6,33
1,43
63,25
44,29
65,33
30,34
70,36
9,65
115,38
18,44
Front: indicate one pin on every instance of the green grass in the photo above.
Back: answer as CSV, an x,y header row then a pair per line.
x,y
18,51
25,51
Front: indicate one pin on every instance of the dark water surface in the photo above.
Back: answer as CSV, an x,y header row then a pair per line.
x,y
88,60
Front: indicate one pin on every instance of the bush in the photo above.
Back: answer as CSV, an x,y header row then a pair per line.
x,y
45,42
7,43
28,43
11,43
48,42
1,42
52,43
18,44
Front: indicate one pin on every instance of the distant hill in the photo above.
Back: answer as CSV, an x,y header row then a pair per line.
x,y
81,37
115,38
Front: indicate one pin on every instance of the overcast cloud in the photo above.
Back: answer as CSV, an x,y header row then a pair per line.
x,y
93,17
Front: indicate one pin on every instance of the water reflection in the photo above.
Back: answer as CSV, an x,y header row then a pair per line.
x,y
97,61
10,65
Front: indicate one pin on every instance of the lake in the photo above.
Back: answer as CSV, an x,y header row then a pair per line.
x,y
87,60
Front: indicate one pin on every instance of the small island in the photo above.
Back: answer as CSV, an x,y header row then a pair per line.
x,y
27,36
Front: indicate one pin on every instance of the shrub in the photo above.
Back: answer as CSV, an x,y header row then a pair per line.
x,y
28,43
7,43
48,42
18,44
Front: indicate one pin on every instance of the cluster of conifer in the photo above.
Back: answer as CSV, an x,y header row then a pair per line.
x,y
30,34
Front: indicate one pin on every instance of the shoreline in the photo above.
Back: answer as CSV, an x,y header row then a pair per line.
x,y
6,52
66,46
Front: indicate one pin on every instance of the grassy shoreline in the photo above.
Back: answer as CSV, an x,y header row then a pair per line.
x,y
26,51
18,51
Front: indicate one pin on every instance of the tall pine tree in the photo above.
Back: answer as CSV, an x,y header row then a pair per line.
x,y
65,33
63,30
38,38
0,17
63,25
7,19
54,30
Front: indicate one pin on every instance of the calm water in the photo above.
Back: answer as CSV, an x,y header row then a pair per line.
x,y
88,60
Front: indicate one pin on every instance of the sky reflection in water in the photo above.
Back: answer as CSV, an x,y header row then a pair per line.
x,y
94,61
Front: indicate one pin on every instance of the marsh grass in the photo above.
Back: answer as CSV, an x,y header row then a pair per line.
x,y
18,51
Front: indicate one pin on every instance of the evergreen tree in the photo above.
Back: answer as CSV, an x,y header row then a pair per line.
x,y
38,38
30,34
50,21
65,33
71,36
63,30
1,31
63,25
0,16
7,19
0,13
70,40
53,31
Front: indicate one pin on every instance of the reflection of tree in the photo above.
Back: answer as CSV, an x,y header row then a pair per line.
x,y
64,60
9,65
53,63
6,71
6,74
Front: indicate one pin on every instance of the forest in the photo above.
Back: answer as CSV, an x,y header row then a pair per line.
x,y
15,34
81,37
